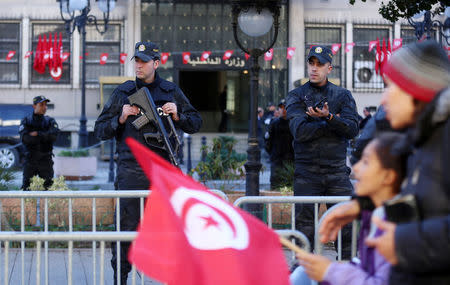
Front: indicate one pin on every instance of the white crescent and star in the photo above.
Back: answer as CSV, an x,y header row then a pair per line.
x,y
209,222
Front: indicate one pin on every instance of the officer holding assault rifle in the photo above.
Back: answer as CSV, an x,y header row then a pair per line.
x,y
150,110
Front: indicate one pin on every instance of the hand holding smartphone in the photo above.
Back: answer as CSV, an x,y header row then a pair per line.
x,y
320,104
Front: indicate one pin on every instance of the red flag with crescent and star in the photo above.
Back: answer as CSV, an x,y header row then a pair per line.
x,y
190,236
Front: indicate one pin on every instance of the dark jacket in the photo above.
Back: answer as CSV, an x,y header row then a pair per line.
x,y
377,123
279,141
41,145
129,175
318,141
423,248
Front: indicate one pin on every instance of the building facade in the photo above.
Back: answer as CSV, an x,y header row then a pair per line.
x,y
189,26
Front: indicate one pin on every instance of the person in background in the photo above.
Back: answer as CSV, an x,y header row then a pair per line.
x,y
379,174
322,118
38,133
366,118
116,121
223,110
416,98
279,146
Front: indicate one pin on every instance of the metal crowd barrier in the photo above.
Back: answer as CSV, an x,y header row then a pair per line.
x,y
101,237
316,200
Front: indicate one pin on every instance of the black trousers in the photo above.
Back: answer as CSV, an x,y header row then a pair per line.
x,y
320,182
42,167
129,220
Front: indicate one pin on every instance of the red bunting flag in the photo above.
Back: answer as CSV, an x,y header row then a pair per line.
x,y
349,47
290,52
378,58
10,54
372,44
247,56
205,55
38,63
268,55
86,54
164,57
186,57
396,44
56,66
28,54
65,56
123,57
227,54
190,236
335,48
103,58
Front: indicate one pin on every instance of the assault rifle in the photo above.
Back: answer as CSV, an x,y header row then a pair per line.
x,y
150,114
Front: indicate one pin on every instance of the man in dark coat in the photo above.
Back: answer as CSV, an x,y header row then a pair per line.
x,y
38,133
323,118
116,120
279,146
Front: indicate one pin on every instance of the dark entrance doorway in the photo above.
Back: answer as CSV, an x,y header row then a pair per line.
x,y
203,89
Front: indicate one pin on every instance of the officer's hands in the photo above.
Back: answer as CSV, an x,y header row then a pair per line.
x,y
34,133
128,110
171,108
318,113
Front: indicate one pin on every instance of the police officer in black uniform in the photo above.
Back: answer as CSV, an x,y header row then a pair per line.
x,y
38,133
321,133
116,120
279,147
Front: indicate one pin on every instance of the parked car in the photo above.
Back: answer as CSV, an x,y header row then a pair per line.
x,y
11,150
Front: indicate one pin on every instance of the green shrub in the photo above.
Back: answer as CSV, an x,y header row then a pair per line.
x,y
6,176
222,162
74,153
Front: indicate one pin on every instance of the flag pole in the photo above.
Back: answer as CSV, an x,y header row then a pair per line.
x,y
299,251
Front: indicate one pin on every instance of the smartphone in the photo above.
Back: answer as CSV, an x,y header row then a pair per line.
x,y
320,104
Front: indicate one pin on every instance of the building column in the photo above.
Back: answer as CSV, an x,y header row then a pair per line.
x,y
76,59
296,39
26,46
133,34
349,57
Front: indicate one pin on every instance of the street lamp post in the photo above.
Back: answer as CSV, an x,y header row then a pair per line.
x,y
255,18
68,9
427,25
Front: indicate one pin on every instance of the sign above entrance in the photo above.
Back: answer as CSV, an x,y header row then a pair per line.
x,y
216,62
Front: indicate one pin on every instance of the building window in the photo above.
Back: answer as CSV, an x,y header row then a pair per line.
x,y
46,29
327,36
96,45
408,34
365,78
9,41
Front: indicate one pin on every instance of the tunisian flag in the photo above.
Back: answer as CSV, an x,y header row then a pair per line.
x,y
290,52
227,54
186,57
190,236
56,63
164,57
38,63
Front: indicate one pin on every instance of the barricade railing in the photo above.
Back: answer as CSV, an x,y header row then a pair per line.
x,y
292,200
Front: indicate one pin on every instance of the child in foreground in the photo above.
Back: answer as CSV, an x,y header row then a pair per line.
x,y
379,174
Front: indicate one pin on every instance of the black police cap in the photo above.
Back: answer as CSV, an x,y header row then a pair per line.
x,y
146,51
39,99
322,53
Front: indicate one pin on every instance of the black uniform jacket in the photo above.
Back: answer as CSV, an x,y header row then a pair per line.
x,y
317,141
107,125
41,145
